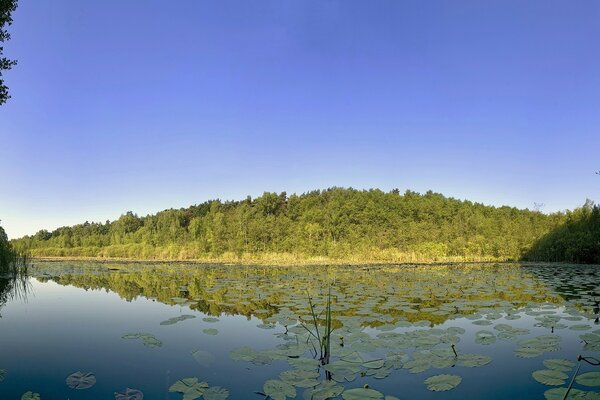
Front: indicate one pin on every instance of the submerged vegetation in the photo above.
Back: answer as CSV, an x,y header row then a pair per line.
x,y
335,224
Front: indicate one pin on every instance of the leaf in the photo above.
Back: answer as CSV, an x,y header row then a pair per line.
x,y
324,391
30,396
190,388
374,364
559,364
215,393
550,377
485,337
211,331
589,379
129,394
559,394
279,390
81,380
472,360
175,320
442,383
362,394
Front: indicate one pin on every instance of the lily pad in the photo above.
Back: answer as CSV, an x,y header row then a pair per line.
x,y
559,394
175,320
129,394
30,396
324,391
550,377
279,390
559,364
442,383
589,379
362,394
190,388
211,331
472,360
215,393
81,380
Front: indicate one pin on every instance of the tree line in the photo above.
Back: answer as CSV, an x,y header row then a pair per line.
x,y
333,224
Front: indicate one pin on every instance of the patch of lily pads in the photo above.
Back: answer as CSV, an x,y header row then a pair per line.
x,y
148,339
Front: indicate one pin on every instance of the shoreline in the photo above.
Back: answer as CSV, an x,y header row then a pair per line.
x,y
288,263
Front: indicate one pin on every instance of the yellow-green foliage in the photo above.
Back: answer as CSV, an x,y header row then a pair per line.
x,y
337,224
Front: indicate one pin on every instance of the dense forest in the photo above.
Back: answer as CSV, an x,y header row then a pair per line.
x,y
335,224
577,239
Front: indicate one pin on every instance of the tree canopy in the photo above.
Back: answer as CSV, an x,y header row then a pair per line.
x,y
7,7
333,224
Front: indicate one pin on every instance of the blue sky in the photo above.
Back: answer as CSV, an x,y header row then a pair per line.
x,y
146,105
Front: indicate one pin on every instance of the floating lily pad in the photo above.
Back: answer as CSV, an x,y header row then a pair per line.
x,y
559,394
323,391
148,339
81,380
210,331
210,319
215,393
589,379
374,364
129,394
559,364
362,394
442,383
472,360
175,320
190,388
279,390
550,377
485,337
30,396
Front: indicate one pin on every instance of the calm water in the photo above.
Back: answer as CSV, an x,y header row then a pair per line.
x,y
147,326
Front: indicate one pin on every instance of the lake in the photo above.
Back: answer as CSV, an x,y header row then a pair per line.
x,y
85,330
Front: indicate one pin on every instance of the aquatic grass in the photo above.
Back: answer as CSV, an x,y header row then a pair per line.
x,y
325,341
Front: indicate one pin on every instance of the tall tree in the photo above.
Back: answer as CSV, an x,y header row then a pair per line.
x,y
7,7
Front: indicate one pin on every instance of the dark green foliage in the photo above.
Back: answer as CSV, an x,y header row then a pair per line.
x,y
337,223
7,7
577,240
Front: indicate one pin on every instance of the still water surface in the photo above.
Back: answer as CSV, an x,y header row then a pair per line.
x,y
245,331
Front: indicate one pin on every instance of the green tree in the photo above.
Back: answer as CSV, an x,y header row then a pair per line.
x,y
7,7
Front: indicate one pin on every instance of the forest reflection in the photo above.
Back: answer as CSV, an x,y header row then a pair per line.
x,y
380,295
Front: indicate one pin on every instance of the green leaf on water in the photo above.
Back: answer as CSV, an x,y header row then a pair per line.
x,y
559,394
211,331
559,364
589,379
362,394
81,380
550,377
190,388
215,393
30,396
442,383
374,364
279,390
129,394
323,391
472,360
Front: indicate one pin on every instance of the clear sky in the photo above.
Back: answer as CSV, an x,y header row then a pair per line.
x,y
146,105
